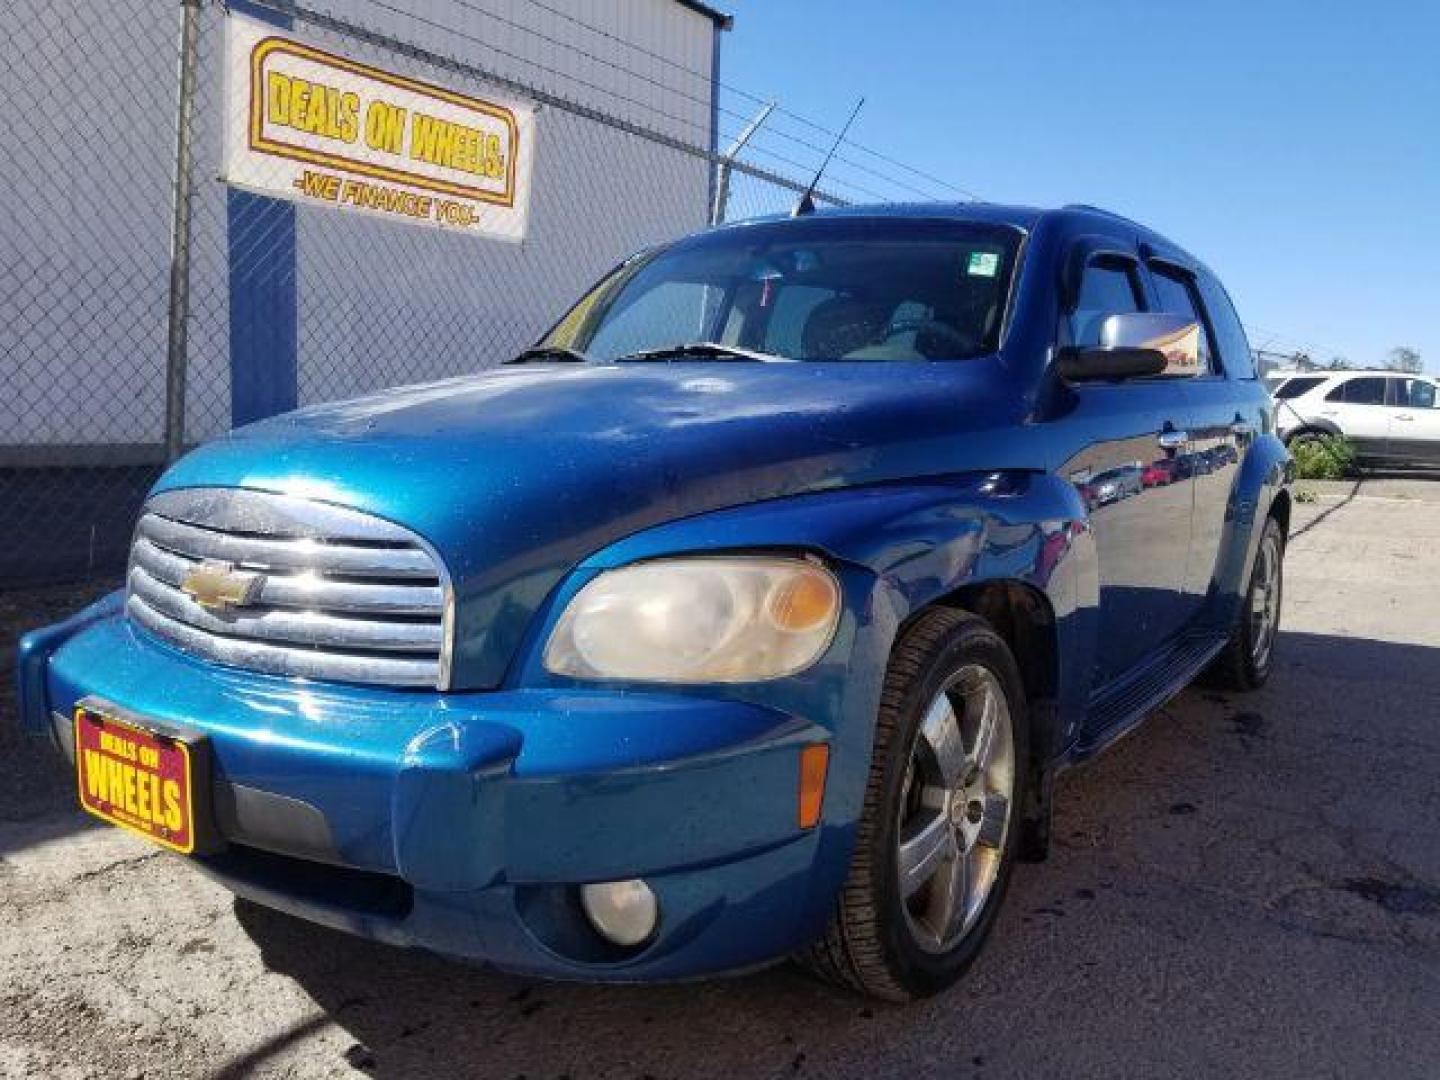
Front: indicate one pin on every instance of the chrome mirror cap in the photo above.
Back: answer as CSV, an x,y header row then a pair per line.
x,y
1176,337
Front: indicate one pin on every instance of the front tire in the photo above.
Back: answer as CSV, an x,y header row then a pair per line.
x,y
937,838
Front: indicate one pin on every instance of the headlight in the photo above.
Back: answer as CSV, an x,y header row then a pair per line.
x,y
698,619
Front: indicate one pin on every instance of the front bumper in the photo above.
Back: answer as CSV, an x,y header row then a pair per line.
x,y
463,823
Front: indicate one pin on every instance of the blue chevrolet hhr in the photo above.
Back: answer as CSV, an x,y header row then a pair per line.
x,y
751,613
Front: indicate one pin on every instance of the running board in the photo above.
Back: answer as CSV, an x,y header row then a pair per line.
x,y
1118,709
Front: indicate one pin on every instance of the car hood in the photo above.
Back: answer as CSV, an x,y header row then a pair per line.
x,y
516,475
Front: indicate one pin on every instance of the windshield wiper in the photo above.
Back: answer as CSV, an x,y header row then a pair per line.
x,y
698,350
562,353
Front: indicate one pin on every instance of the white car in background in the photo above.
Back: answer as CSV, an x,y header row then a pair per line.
x,y
1391,418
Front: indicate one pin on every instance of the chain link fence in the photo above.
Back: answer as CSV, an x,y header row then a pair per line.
x,y
84,282
147,305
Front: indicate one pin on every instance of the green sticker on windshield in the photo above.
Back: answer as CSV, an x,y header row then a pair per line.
x,y
983,264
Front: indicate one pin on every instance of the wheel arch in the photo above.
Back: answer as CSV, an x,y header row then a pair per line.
x,y
1025,620
1313,427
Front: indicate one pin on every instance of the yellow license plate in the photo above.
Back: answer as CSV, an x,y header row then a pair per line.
x,y
139,779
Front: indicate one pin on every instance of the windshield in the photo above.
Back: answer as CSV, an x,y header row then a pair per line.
x,y
1293,388
814,289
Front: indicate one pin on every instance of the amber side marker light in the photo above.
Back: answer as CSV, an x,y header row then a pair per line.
x,y
804,602
814,760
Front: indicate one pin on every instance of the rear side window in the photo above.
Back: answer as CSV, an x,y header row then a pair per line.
x,y
1293,388
1230,339
1108,287
1177,296
1417,394
1366,391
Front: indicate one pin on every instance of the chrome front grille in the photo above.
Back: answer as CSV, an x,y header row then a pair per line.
x,y
321,591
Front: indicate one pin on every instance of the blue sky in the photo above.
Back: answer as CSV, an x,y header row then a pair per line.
x,y
1294,146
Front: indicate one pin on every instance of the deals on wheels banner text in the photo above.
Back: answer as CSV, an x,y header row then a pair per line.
x,y
311,125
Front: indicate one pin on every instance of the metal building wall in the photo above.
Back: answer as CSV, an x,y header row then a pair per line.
x,y
84,295
598,194
85,225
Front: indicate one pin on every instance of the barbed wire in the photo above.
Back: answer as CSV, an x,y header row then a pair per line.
x,y
526,90
706,102
686,122
878,155
753,98
1272,336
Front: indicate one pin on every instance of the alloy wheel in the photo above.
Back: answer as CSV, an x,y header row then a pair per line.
x,y
955,808
1265,601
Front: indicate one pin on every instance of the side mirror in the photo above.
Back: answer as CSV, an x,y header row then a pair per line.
x,y
1134,345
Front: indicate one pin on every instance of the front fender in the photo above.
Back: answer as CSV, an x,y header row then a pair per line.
x,y
898,548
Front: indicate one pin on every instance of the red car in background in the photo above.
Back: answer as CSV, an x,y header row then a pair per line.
x,y
1159,473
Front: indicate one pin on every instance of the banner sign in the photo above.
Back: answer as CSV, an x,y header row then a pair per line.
x,y
309,125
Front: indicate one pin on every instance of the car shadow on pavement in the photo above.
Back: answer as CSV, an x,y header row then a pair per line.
x,y
1241,840
37,787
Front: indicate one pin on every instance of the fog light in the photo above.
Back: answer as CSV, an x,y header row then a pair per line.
x,y
625,912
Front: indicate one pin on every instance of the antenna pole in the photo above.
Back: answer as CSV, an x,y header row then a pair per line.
x,y
806,205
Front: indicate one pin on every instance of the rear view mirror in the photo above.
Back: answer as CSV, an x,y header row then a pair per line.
x,y
1134,345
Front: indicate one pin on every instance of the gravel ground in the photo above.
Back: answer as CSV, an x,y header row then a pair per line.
x,y
1248,887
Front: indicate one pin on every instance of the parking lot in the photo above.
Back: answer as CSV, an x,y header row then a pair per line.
x,y
1248,887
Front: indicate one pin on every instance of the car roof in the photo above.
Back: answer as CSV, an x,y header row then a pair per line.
x,y
1077,216
1023,217
1346,373
1326,381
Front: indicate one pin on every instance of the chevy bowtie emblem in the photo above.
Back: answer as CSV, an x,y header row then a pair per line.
x,y
218,586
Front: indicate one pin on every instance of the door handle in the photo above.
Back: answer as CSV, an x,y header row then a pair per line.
x,y
1172,439
1403,416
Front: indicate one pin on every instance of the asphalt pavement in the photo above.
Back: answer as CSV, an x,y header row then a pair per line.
x,y
1249,886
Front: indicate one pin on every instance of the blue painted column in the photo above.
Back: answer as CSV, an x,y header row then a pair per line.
x,y
264,307
715,32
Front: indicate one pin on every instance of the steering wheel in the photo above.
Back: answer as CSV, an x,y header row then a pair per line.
x,y
943,339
